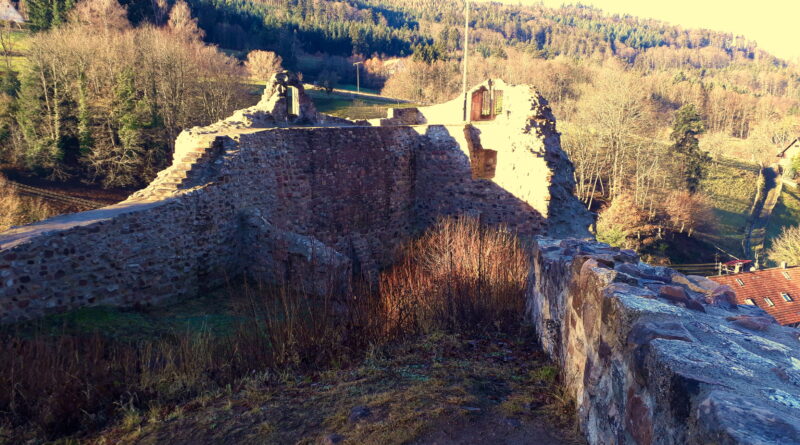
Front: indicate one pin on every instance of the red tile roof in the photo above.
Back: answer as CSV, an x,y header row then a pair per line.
x,y
760,285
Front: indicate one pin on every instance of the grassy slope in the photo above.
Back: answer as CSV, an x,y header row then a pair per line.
x,y
731,187
21,39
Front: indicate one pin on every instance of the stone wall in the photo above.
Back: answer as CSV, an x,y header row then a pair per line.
x,y
261,194
342,188
655,357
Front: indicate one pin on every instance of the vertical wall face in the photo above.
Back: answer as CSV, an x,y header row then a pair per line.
x,y
350,188
345,191
519,173
655,357
135,253
446,184
253,194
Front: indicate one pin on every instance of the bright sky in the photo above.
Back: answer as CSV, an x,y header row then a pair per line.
x,y
772,23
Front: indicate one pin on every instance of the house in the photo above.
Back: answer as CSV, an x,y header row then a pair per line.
x,y
777,291
9,13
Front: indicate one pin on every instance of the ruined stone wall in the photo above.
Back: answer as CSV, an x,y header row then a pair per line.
x,y
135,253
256,193
655,357
519,173
350,190
446,185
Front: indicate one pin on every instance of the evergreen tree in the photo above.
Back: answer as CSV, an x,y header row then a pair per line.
x,y
687,126
85,139
42,151
132,113
40,14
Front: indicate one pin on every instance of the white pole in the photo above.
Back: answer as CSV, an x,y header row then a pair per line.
x,y
466,52
358,77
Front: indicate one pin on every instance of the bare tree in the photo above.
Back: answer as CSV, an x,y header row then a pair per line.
x,y
687,212
103,15
261,65
182,24
620,220
786,248
7,43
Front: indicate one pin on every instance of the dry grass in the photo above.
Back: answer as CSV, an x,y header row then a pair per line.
x,y
16,210
458,278
411,389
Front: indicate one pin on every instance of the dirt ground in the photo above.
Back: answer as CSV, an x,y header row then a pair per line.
x,y
440,389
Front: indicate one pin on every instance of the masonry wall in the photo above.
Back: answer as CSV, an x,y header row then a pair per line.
x,y
519,175
446,184
129,254
655,357
351,189
256,194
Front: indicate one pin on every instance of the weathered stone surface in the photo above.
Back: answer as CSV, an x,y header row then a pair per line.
x,y
284,193
751,322
644,370
722,296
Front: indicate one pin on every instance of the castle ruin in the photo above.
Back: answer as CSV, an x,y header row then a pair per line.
x,y
279,191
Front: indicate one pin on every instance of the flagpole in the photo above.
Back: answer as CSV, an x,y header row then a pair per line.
x,y
466,52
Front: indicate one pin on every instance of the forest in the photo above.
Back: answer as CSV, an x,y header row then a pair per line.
x,y
652,114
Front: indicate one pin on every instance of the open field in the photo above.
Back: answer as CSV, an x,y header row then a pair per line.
x,y
342,105
20,44
731,187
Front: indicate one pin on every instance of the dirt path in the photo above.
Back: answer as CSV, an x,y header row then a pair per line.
x,y
762,210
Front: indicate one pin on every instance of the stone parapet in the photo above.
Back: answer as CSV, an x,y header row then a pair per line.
x,y
652,356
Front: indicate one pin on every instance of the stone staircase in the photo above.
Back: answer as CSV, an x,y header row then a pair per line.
x,y
190,168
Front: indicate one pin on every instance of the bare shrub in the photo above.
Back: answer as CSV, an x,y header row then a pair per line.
x,y
457,277
786,248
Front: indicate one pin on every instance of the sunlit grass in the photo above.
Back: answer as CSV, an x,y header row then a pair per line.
x,y
731,187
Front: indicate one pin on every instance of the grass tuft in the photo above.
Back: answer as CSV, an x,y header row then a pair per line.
x,y
458,279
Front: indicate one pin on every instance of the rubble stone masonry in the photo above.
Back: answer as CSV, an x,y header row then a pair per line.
x,y
294,196
652,356
281,192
